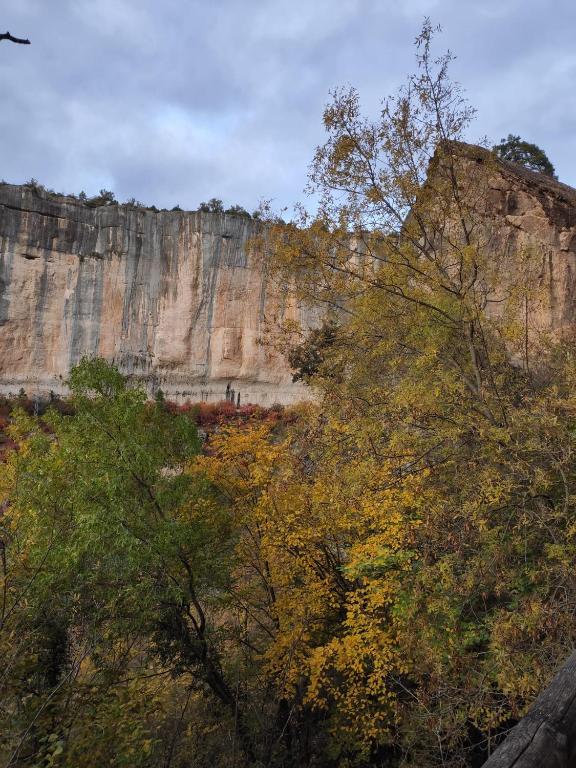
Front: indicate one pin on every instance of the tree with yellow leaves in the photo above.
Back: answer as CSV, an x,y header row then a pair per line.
x,y
418,527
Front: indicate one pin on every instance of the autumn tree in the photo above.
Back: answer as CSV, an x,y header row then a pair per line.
x,y
438,466
306,358
114,562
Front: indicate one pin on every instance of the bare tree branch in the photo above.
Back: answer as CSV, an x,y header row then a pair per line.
x,y
8,36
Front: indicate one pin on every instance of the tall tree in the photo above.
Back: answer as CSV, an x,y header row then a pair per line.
x,y
115,558
441,463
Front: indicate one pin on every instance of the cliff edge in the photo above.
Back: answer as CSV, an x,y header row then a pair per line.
x,y
180,300
177,300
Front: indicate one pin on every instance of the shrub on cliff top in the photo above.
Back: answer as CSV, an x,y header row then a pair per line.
x,y
516,150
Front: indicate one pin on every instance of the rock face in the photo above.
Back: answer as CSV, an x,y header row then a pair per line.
x,y
177,300
522,211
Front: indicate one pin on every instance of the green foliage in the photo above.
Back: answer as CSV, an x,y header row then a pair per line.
x,y
217,206
238,210
306,358
116,557
516,150
104,197
95,376
212,206
133,203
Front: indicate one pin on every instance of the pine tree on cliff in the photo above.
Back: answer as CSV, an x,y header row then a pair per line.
x,y
516,150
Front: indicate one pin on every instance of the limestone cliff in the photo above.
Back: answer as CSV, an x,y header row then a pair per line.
x,y
180,300
518,210
177,300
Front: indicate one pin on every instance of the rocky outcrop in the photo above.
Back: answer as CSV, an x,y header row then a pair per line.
x,y
523,212
179,301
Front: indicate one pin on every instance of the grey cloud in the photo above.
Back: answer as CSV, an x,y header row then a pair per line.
x,y
183,100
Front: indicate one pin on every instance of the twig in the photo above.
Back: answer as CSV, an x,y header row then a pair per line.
x,y
8,36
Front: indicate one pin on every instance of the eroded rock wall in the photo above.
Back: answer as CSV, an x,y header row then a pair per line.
x,y
523,214
178,300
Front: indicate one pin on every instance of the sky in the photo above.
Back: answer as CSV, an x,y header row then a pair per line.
x,y
178,101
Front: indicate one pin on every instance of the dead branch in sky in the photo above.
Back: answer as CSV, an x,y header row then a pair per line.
x,y
8,36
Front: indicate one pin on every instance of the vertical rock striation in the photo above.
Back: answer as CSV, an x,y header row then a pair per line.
x,y
520,212
177,300
180,301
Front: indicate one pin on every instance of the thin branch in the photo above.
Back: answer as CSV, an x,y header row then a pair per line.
x,y
8,36
177,729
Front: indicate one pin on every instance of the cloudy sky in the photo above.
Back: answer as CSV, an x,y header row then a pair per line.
x,y
177,101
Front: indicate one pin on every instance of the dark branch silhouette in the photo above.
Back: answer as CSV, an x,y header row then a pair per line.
x,y
8,36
